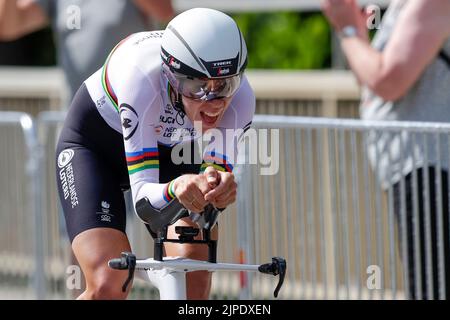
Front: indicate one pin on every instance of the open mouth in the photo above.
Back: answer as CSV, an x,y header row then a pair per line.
x,y
209,118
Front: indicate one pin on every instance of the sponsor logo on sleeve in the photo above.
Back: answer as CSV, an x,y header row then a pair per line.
x,y
65,157
101,102
105,214
67,176
130,121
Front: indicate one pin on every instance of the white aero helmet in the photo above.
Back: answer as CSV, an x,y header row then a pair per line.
x,y
200,45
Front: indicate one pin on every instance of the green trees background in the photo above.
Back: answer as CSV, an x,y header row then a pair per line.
x,y
286,40
275,40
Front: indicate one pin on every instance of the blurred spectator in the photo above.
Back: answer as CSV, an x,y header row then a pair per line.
x,y
34,49
405,75
85,30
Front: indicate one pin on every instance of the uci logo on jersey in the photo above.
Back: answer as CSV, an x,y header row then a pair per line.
x,y
179,118
130,121
169,120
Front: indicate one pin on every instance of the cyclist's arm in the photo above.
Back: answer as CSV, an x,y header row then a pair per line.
x,y
19,18
139,111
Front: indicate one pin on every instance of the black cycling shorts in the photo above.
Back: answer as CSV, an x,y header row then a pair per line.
x,y
91,170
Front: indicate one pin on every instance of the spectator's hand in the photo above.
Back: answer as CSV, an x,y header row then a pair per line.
x,y
224,193
190,190
342,13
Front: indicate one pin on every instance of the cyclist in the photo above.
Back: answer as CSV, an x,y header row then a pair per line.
x,y
158,92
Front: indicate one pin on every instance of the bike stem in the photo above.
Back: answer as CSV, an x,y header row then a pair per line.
x,y
186,235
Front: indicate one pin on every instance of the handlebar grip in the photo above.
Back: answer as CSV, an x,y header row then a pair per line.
x,y
118,264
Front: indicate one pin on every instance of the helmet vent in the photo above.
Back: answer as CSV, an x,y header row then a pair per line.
x,y
175,32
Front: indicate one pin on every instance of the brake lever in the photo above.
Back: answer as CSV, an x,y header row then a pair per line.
x,y
276,268
131,262
126,261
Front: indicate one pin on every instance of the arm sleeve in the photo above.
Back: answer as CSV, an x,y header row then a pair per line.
x,y
222,149
139,107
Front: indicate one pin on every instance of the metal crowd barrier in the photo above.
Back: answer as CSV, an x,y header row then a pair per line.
x,y
326,213
21,238
323,210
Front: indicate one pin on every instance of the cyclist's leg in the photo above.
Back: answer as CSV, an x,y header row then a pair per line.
x,y
94,210
91,171
93,249
198,283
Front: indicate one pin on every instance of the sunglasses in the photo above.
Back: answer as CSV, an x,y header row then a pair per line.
x,y
204,88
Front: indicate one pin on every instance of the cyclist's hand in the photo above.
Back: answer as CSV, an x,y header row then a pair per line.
x,y
190,189
224,193
212,176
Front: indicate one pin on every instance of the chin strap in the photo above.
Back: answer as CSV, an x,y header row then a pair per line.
x,y
178,104
176,99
